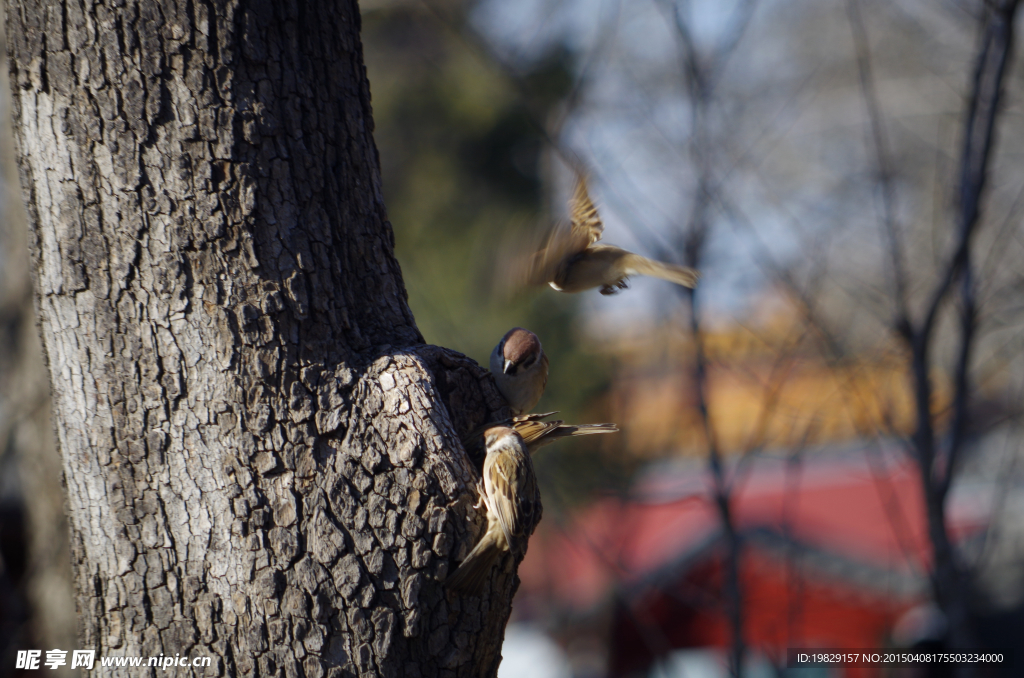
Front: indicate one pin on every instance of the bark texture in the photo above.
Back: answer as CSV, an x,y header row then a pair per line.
x,y
262,458
34,553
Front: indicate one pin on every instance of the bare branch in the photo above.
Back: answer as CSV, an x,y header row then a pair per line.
x,y
983,107
884,167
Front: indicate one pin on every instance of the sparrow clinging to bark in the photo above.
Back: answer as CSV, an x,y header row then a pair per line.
x,y
520,369
572,261
512,501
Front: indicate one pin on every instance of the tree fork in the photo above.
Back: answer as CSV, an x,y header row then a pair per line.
x,y
262,458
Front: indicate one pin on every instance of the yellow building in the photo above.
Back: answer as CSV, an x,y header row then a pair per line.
x,y
773,385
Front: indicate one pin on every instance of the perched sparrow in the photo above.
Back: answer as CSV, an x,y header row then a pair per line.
x,y
513,508
520,369
571,262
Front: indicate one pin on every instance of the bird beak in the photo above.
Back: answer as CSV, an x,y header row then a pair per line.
x,y
508,366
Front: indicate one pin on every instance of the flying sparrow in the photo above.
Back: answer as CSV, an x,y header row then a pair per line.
x,y
571,261
512,500
520,369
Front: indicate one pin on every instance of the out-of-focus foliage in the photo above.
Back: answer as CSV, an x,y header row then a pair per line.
x,y
463,157
811,157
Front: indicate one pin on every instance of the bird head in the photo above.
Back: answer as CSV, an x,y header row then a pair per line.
x,y
496,435
519,349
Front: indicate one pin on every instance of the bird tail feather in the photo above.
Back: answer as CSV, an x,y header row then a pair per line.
x,y
472,574
587,429
567,431
680,275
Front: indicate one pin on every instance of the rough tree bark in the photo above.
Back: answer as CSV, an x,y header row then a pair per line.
x,y
26,434
262,458
27,445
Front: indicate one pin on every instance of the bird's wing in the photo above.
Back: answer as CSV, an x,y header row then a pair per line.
x,y
586,222
474,440
533,416
530,261
530,509
538,262
564,242
533,430
565,431
502,487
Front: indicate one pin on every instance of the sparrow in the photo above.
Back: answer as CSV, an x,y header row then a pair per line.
x,y
535,432
520,369
571,261
512,500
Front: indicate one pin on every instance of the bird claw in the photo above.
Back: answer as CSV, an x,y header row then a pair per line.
x,y
480,495
614,288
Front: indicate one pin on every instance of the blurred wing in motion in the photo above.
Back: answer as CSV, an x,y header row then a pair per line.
x,y
538,263
586,222
531,262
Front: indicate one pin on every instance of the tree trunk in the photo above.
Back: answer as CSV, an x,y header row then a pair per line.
x,y
32,524
262,459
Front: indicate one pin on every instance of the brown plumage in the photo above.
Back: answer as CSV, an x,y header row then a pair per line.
x,y
512,500
571,260
535,432
520,369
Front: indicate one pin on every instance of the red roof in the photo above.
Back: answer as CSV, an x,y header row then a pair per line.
x,y
863,506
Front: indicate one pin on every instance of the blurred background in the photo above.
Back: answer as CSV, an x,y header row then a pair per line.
x,y
819,448
770,485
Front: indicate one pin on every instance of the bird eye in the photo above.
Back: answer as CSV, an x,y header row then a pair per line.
x,y
529,361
